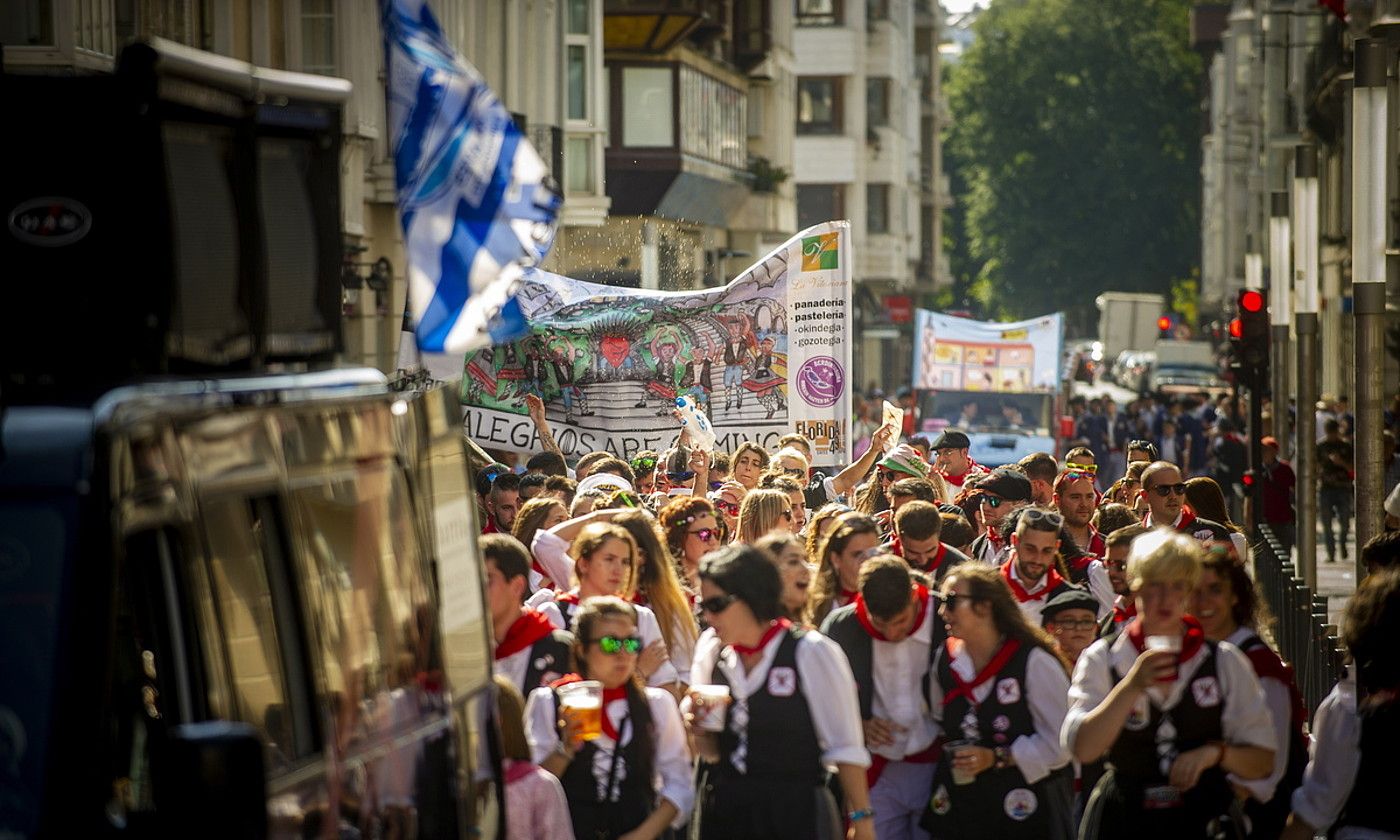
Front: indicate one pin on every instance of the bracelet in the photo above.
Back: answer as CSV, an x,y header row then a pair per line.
x,y
861,814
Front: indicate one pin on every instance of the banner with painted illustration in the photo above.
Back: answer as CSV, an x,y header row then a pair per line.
x,y
959,354
766,355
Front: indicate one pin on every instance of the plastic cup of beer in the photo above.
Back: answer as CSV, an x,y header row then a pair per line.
x,y
1168,643
715,698
951,750
583,702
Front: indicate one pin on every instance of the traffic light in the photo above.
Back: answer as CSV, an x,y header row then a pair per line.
x,y
1249,337
1164,326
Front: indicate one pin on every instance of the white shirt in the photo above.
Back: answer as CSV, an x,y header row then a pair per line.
x,y
828,686
1280,703
1101,587
552,553
1245,719
1044,692
1332,768
896,668
647,627
672,779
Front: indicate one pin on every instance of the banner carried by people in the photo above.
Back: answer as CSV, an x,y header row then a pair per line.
x,y
958,354
766,355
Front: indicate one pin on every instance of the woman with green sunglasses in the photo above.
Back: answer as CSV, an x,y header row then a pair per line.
x,y
634,779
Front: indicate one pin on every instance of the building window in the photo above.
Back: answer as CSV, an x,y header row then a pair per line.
x,y
819,105
819,12
877,101
579,17
647,107
318,37
714,119
584,100
27,23
577,70
817,203
877,208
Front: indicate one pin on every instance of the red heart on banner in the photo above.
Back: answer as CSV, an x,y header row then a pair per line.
x,y
615,349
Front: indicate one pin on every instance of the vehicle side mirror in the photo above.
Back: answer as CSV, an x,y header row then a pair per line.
x,y
212,782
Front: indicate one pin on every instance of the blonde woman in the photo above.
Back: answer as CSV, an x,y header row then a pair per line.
x,y
762,512
540,514
1180,717
838,569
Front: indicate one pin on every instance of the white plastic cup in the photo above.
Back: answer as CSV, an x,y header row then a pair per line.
x,y
1167,643
583,701
951,750
716,698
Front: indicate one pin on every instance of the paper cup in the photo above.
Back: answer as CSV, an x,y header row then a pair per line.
x,y
1167,643
583,702
715,698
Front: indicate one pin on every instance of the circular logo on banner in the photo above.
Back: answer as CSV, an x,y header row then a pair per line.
x,y
821,381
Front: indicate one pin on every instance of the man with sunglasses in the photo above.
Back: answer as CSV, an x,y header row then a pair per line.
x,y
1119,542
1030,570
1164,490
1001,493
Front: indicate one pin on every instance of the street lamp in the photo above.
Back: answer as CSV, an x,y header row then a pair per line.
x,y
1280,298
1305,294
1368,241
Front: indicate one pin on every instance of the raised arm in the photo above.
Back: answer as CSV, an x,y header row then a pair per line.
x,y
535,407
847,479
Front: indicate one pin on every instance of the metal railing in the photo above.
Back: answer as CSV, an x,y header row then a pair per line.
x,y
1304,637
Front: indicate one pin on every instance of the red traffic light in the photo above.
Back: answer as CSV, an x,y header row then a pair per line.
x,y
1236,328
1164,323
1251,300
1248,479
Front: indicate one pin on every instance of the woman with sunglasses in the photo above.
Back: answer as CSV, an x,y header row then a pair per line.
x,y
643,465
792,713
1230,610
1177,715
659,590
787,554
838,569
692,531
998,690
634,779
605,563
728,499
763,512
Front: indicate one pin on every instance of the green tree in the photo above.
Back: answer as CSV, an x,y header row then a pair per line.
x,y
1075,153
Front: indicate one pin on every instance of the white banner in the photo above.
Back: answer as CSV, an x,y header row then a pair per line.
x,y
766,355
958,354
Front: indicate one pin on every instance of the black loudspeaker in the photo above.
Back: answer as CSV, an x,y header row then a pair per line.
x,y
178,217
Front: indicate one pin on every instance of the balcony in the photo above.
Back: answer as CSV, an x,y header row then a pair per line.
x,y
650,26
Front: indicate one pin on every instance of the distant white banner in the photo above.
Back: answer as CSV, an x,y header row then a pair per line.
x,y
958,354
766,355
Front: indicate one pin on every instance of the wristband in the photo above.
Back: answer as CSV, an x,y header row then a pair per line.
x,y
861,814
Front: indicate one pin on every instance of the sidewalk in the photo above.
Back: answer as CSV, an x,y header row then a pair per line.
x,y
1336,580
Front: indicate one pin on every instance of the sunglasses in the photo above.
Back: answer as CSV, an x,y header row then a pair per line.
x,y
991,501
797,471
718,603
1090,469
705,534
888,475
680,476
731,508
1165,490
613,645
1071,475
715,485
952,599
644,464
1054,520
1081,624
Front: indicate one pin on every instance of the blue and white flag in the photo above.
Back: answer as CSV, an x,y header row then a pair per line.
x,y
474,197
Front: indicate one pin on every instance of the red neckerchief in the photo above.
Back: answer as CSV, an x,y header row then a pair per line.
x,y
1190,643
609,695
994,538
570,597
773,629
1052,580
639,598
863,615
846,596
529,628
545,581
938,556
1097,546
517,770
1008,648
1183,519
1123,614
895,546
973,468
490,526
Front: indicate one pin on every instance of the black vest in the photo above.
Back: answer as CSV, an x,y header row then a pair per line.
x,y
1000,803
781,740
843,628
551,655
1369,805
602,818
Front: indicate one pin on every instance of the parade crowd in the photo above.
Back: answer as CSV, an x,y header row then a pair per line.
x,y
708,644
